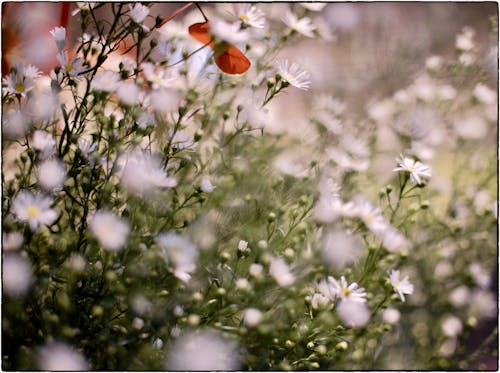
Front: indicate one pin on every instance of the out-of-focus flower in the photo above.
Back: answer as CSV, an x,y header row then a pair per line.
x,y
34,209
318,300
204,350
451,326
252,317
352,313
59,35
340,249
21,80
471,126
418,171
129,93
87,147
179,253
303,26
110,230
106,81
391,315
83,5
351,292
17,275
401,287
249,15
15,123
255,269
73,67
138,12
143,173
294,75
393,240
59,356
465,40
229,32
281,272
51,174
43,142
315,7
460,296
327,288
12,241
480,275
206,186
158,76
165,100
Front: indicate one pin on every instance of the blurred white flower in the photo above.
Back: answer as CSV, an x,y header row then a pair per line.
x,y
138,12
281,272
340,249
51,174
327,288
465,40
143,173
315,7
451,326
393,240
205,350
33,209
229,32
303,26
87,147
448,347
401,287
21,80
106,81
164,100
318,300
255,269
483,303
59,35
146,119
44,142
391,315
110,230
471,126
206,186
242,284
12,241
480,275
251,317
249,15
434,62
71,67
180,254
59,356
15,123
418,171
293,74
17,275
128,92
351,292
352,313
460,296
371,216
43,106
158,76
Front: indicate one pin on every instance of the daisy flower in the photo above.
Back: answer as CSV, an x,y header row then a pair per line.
x,y
249,15
70,68
106,81
110,230
294,75
229,32
59,35
351,292
303,26
401,287
179,253
51,174
33,209
418,171
138,12
21,79
44,142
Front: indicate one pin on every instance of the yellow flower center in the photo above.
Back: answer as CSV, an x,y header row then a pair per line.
x,y
69,67
33,211
346,292
244,18
19,87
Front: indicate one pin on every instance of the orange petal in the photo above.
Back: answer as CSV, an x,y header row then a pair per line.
x,y
232,61
199,31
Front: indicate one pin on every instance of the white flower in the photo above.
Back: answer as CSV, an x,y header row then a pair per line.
x,y
327,288
451,326
179,253
242,245
51,174
17,275
57,356
22,79
252,317
351,292
464,41
229,32
204,350
340,249
129,93
418,171
294,75
144,173
249,15
12,241
59,35
352,313
15,123
206,186
110,230
484,94
371,216
73,67
460,296
43,142
303,26
165,100
391,315
281,272
138,12
87,147
255,269
401,287
158,76
34,209
315,7
106,81
318,300
393,240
